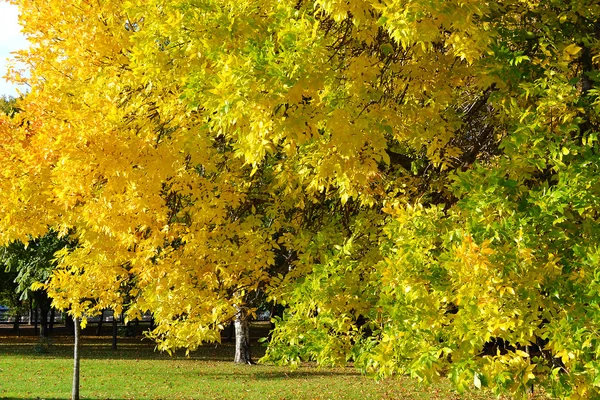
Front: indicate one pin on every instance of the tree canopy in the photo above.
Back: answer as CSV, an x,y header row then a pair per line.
x,y
417,181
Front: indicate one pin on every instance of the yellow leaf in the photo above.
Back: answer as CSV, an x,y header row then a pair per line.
x,y
572,49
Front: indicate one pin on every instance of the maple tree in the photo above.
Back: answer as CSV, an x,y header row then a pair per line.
x,y
417,181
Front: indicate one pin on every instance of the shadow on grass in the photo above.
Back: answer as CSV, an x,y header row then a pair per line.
x,y
100,348
223,352
136,349
254,373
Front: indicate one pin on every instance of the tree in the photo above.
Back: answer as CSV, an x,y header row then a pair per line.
x,y
201,229
76,360
490,276
9,296
8,105
411,178
33,263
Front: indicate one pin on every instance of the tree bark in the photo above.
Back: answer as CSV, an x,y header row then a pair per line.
x,y
35,321
242,337
17,316
44,322
69,325
114,331
16,322
51,322
99,327
75,388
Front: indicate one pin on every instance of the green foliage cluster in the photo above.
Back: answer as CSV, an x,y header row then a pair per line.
x,y
33,261
8,105
492,278
25,264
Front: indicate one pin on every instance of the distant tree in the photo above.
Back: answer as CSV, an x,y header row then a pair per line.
x,y
28,263
8,105
8,294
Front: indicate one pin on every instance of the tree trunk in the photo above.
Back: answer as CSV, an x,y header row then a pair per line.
x,y
16,323
69,325
75,389
35,321
51,322
242,337
114,331
99,327
44,322
17,316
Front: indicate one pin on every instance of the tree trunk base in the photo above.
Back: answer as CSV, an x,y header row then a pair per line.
x,y
242,338
76,355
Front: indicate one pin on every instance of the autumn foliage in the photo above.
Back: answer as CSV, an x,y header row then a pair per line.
x,y
418,182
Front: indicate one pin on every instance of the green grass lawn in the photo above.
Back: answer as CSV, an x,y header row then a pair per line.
x,y
136,371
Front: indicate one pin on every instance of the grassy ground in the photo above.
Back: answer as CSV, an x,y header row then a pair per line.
x,y
136,371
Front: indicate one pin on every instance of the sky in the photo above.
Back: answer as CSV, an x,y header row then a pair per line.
x,y
11,39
